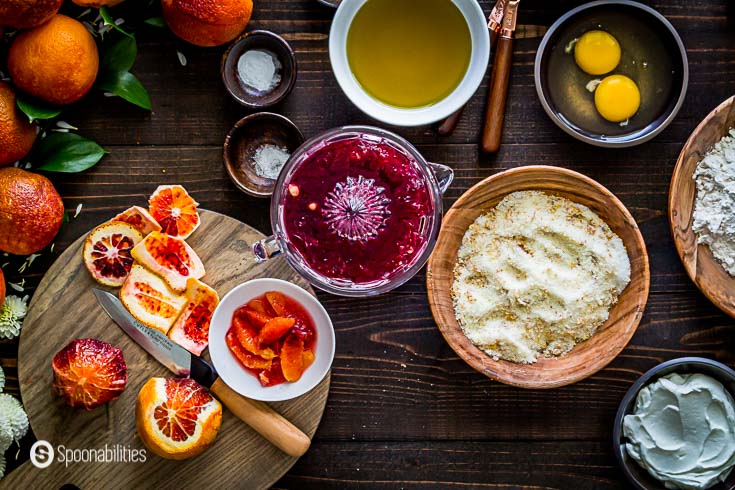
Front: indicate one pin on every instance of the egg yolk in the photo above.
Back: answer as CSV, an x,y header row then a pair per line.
x,y
597,52
617,98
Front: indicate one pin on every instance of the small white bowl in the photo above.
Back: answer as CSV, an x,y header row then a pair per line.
x,y
244,382
397,116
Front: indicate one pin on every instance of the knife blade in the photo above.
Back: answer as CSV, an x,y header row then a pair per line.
x,y
261,417
176,359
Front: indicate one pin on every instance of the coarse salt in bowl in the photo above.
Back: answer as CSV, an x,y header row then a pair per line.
x,y
240,379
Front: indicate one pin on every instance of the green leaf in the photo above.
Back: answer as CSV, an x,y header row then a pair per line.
x,y
66,152
119,55
156,22
109,21
36,109
125,85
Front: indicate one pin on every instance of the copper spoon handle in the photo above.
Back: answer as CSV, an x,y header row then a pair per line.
x,y
493,131
450,124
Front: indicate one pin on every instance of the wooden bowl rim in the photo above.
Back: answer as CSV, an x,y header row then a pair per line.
x,y
641,294
676,177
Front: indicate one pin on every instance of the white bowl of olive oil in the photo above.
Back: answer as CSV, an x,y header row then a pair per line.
x,y
409,62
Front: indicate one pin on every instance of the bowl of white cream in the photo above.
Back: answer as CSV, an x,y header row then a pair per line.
x,y
675,427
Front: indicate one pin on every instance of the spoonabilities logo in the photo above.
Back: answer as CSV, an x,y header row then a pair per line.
x,y
42,454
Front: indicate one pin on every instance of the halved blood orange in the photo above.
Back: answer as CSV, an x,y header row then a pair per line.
x,y
175,210
147,297
107,252
177,418
139,218
169,257
89,373
191,328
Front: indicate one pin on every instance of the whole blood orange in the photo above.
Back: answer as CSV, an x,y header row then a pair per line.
x,y
207,22
175,210
89,373
191,328
150,300
177,418
139,218
31,211
169,257
56,61
16,133
107,252
24,14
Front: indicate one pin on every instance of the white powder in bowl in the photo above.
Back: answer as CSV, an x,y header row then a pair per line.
x,y
714,206
269,160
536,275
259,70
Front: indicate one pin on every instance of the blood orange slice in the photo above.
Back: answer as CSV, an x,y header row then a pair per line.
x,y
177,418
89,373
191,328
150,300
107,252
175,210
169,257
139,218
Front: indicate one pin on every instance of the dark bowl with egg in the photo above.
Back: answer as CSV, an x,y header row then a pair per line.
x,y
651,54
636,474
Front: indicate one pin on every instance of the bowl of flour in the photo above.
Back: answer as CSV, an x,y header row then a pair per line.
x,y
702,206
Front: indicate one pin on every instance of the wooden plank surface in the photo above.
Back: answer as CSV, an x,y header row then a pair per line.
x,y
403,410
64,304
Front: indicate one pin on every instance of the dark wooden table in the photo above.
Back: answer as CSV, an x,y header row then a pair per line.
x,y
404,411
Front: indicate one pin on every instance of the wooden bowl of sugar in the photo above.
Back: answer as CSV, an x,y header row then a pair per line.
x,y
709,276
585,358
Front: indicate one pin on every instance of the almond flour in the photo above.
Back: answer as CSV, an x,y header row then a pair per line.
x,y
536,275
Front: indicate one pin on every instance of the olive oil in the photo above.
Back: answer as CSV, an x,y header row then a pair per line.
x,y
409,53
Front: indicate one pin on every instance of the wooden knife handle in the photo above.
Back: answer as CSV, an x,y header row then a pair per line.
x,y
492,133
450,124
266,421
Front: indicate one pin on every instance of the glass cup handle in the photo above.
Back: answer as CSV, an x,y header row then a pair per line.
x,y
444,174
265,249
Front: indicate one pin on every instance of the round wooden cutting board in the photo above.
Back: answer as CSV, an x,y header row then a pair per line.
x,y
64,308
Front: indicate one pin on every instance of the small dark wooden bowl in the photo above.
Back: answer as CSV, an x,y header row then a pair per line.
x,y
638,476
259,40
243,140
586,358
704,270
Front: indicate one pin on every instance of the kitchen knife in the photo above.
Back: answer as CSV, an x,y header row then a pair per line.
x,y
261,417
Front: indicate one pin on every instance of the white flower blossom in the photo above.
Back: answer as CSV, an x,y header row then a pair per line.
x,y
11,315
12,411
